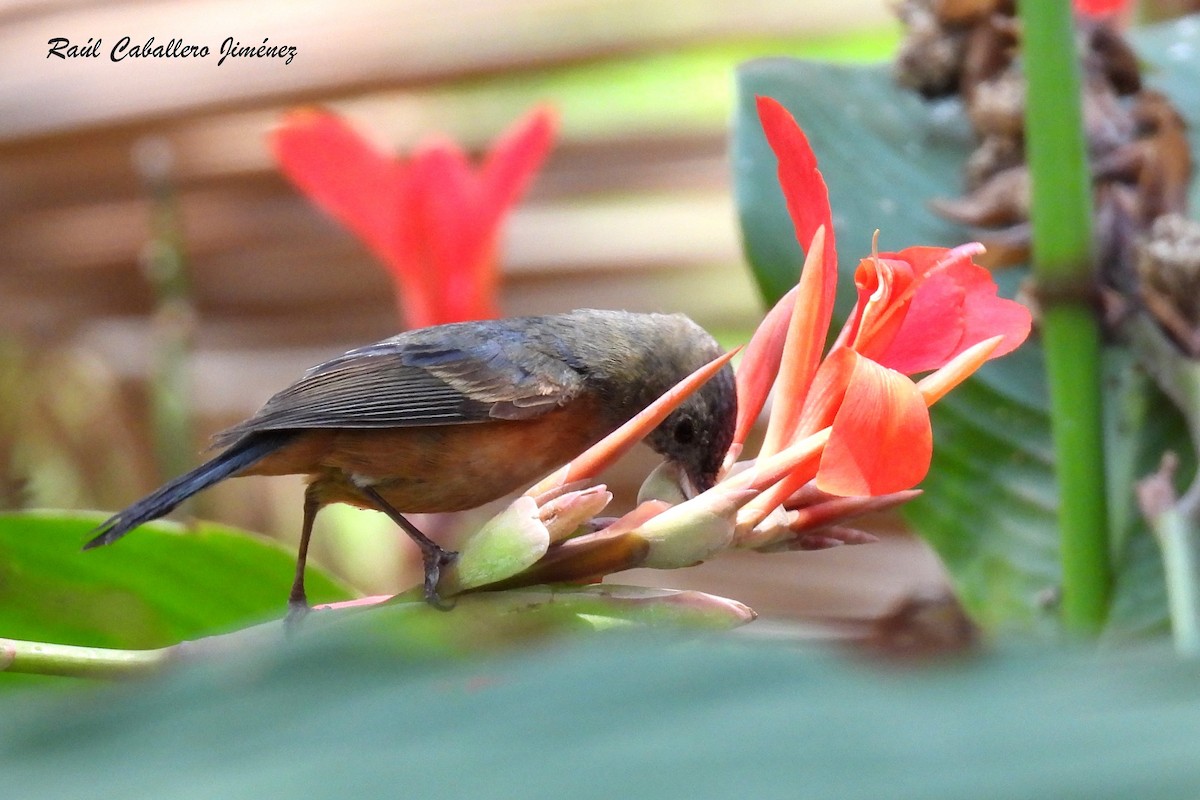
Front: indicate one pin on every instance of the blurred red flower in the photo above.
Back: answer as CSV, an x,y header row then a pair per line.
x,y
1096,8
432,219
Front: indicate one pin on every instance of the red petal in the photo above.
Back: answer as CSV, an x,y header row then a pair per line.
x,y
1100,7
930,331
881,440
509,167
885,291
806,336
925,259
343,173
514,159
803,187
955,307
757,370
989,315
453,234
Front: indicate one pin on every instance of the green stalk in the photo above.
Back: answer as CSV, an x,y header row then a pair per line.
x,y
73,661
1174,520
1062,265
1176,535
481,622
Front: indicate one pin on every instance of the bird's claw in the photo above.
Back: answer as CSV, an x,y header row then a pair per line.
x,y
434,559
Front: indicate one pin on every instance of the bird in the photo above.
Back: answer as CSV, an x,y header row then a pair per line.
x,y
449,417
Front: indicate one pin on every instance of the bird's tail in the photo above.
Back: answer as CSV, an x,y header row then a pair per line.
x,y
164,499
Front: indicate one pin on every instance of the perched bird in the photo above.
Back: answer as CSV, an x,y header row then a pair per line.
x,y
453,416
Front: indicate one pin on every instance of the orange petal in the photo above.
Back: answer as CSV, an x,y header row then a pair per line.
x,y
802,350
803,187
514,159
773,497
828,388
604,453
885,290
881,441
796,457
342,173
937,385
510,166
454,235
759,366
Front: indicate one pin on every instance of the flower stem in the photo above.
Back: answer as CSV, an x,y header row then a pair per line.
x,y
1062,265
42,658
486,620
1174,520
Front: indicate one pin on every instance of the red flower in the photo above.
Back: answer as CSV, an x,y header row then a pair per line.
x,y
1100,8
918,310
433,220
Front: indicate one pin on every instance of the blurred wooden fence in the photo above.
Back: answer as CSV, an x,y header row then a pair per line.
x,y
633,209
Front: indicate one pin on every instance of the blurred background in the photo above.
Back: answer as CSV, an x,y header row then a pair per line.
x,y
159,279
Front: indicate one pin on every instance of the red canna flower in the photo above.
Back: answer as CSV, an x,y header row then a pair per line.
x,y
432,219
917,311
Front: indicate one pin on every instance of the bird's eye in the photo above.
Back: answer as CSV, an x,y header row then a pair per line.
x,y
685,431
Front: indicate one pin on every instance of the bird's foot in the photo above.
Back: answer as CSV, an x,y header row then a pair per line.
x,y
434,559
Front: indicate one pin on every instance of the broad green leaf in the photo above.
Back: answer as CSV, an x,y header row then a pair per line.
x,y
989,505
159,585
349,712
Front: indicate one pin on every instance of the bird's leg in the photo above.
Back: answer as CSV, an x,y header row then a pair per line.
x,y
297,598
433,555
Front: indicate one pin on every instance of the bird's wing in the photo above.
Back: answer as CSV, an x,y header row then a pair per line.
x,y
404,383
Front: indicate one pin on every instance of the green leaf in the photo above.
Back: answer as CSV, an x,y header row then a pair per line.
x,y
348,712
159,585
990,504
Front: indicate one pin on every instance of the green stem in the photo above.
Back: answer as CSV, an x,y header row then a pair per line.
x,y
72,661
1180,542
483,621
1175,521
1062,250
